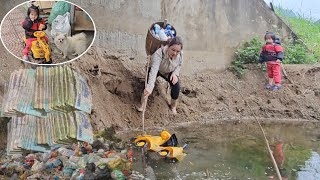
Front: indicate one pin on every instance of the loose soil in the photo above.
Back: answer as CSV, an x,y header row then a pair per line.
x,y
117,82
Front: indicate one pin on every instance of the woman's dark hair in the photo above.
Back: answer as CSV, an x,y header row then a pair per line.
x,y
33,8
176,40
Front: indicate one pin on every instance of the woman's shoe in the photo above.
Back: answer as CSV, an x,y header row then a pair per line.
x,y
140,109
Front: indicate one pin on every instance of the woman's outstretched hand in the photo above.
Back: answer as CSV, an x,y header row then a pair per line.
x,y
146,92
173,79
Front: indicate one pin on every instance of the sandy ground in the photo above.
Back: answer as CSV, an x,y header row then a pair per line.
x,y
118,80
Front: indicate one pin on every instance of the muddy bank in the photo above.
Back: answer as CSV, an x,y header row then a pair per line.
x,y
117,80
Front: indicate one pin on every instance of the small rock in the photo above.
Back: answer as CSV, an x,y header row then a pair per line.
x,y
101,151
120,145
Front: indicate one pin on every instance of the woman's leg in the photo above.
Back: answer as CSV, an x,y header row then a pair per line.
x,y
175,90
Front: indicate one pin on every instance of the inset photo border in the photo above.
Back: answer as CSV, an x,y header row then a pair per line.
x,y
47,32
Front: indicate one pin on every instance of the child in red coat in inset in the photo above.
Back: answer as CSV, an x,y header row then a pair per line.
x,y
272,54
31,24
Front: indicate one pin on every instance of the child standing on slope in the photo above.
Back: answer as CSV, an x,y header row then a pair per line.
x,y
272,54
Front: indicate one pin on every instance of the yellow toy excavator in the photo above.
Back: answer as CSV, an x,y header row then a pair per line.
x,y
40,48
152,142
173,152
165,145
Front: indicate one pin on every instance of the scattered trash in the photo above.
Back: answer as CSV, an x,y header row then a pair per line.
x,y
50,135
65,163
163,34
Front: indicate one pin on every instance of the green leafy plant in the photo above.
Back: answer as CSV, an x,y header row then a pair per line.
x,y
248,53
296,53
303,51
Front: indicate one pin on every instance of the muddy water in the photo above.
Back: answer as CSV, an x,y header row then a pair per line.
x,y
232,150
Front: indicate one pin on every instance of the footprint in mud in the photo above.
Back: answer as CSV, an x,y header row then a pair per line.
x,y
95,70
190,140
189,93
313,70
112,85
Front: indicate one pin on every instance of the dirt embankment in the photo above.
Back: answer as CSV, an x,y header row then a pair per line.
x,y
118,80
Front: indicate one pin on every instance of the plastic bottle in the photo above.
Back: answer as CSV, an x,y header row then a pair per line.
x,y
173,32
162,35
156,28
168,27
168,31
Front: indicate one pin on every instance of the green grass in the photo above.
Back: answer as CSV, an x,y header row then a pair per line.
x,y
305,50
306,29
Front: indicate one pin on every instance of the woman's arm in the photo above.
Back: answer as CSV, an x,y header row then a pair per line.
x,y
177,70
155,64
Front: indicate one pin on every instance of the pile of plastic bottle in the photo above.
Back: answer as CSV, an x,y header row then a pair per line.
x,y
163,34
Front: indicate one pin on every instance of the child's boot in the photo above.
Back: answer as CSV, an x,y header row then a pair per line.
x,y
276,87
25,58
173,106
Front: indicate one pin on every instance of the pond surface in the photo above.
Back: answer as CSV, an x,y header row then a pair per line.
x,y
230,150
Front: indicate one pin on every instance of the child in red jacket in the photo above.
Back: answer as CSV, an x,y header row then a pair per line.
x,y
272,54
31,24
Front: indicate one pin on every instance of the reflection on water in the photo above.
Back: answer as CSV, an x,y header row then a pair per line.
x,y
311,170
229,151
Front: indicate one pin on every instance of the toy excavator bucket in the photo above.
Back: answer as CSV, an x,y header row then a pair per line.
x,y
172,153
152,142
141,143
39,34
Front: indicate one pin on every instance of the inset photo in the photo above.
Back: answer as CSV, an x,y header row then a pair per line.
x,y
47,32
